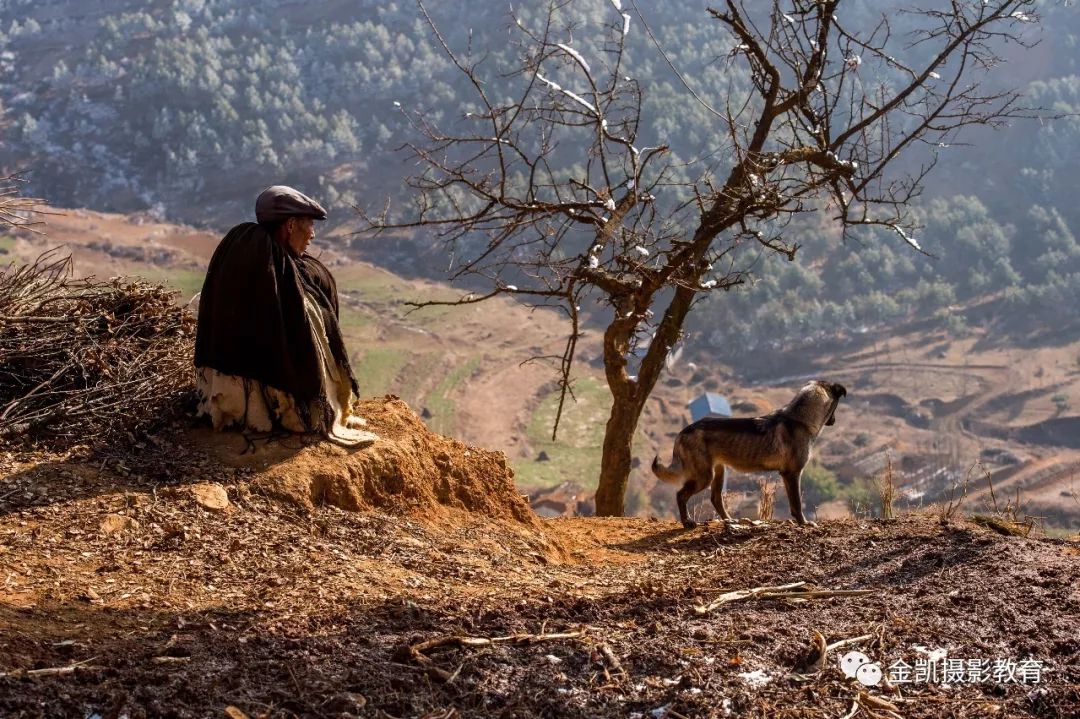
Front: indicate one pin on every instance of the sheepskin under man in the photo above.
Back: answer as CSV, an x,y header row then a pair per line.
x,y
269,353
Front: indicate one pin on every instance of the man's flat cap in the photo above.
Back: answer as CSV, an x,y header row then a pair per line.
x,y
280,202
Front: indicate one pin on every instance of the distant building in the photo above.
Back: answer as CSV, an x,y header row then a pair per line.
x,y
709,404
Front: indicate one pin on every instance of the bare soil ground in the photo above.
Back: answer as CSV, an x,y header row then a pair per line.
x,y
129,589
205,574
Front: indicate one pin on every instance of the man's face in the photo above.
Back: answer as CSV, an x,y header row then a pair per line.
x,y
300,231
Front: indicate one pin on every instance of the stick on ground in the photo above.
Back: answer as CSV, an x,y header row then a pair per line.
x,y
416,652
783,591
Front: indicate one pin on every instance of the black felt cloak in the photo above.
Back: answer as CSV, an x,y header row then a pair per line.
x,y
252,322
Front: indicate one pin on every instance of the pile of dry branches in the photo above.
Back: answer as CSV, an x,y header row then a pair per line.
x,y
84,360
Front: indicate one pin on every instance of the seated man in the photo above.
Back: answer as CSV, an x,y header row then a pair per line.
x,y
269,352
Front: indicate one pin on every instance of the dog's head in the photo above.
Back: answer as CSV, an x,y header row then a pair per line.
x,y
836,391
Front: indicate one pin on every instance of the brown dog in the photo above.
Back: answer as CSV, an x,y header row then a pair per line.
x,y
778,441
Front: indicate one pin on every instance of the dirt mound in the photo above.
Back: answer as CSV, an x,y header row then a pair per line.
x,y
410,471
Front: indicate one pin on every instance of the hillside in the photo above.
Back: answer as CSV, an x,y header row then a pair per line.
x,y
165,108
931,404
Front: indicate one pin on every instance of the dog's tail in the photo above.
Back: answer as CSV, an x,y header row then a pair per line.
x,y
671,473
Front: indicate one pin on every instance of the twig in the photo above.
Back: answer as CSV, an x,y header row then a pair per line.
x,y
873,705
783,591
52,671
845,642
612,660
744,594
820,594
170,660
6,318
416,652
455,640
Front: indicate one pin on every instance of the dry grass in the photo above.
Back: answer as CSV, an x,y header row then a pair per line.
x,y
886,490
1008,519
766,499
955,497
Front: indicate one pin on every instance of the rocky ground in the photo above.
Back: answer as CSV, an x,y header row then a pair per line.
x,y
201,575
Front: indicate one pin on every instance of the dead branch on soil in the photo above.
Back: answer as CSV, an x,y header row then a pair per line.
x,y
416,652
1003,526
170,660
84,359
846,642
874,706
53,671
783,591
611,661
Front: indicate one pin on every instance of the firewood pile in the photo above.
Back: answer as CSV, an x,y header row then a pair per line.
x,y
84,360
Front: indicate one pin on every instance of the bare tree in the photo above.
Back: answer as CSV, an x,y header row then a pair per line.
x,y
550,197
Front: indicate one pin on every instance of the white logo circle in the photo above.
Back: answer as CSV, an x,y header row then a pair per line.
x,y
851,662
869,675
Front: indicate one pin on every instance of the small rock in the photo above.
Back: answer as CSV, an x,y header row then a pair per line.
x,y
117,524
210,496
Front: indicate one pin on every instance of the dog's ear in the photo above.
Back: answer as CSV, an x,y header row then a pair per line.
x,y
838,391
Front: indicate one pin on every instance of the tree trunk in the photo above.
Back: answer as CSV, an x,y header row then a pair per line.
x,y
625,409
628,397
615,464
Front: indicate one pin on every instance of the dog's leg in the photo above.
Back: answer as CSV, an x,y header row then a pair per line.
x,y
717,495
793,488
682,497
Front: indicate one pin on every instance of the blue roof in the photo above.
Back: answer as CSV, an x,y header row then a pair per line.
x,y
709,405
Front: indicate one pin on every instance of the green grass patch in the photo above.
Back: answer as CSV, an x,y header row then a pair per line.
x,y
370,284
353,322
575,455
440,405
7,244
186,282
414,380
377,369
389,294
